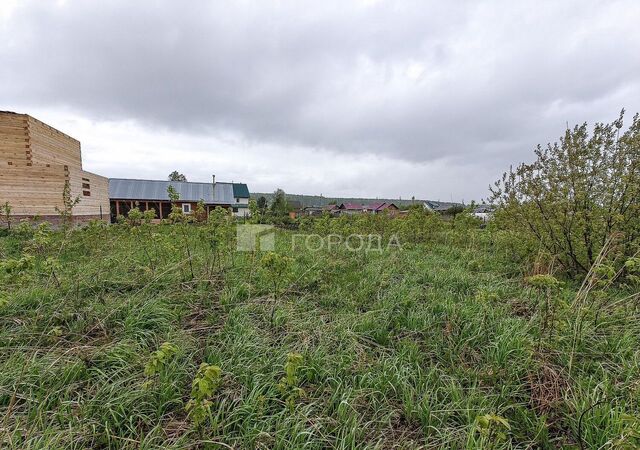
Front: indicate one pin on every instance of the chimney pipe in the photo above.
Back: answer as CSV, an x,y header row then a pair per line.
x,y
213,178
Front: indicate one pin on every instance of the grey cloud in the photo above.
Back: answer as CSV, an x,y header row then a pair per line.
x,y
494,78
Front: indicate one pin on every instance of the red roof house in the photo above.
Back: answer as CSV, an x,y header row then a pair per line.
x,y
372,208
379,207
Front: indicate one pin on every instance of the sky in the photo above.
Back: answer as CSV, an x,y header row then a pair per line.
x,y
365,98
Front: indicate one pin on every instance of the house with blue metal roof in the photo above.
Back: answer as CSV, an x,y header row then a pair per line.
x,y
126,193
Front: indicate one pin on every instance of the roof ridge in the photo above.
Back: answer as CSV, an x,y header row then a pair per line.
x,y
154,190
170,181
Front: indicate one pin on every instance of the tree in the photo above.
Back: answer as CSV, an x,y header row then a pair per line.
x,y
177,176
176,214
5,212
454,210
254,212
262,204
173,195
577,194
68,203
279,203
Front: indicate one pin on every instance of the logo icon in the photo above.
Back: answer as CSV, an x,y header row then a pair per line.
x,y
251,238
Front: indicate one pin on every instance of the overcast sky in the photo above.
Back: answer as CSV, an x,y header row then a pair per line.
x,y
368,98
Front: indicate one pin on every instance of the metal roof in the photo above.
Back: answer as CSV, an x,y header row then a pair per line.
x,y
240,190
484,209
352,206
440,206
129,189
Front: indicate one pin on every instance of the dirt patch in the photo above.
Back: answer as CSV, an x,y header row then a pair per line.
x,y
548,387
522,308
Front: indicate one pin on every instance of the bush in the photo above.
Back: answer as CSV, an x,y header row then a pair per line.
x,y
577,194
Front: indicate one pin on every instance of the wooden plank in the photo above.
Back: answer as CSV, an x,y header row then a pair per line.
x,y
10,119
32,190
51,146
99,189
36,161
14,139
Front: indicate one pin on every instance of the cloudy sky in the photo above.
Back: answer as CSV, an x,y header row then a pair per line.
x,y
363,98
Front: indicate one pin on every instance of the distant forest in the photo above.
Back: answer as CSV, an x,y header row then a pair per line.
x,y
318,200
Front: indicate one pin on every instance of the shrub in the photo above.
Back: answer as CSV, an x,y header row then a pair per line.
x,y
134,218
204,385
159,358
5,213
577,194
289,384
493,428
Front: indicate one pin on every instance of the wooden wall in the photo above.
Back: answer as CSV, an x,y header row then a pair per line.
x,y
36,161
93,192
50,146
14,140
32,190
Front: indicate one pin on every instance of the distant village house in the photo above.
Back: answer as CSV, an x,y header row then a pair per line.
x,y
372,208
382,207
484,212
441,207
126,194
42,176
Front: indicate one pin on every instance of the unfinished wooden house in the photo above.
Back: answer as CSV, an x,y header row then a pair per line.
x,y
36,163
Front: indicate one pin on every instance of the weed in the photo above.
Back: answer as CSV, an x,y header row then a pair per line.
x,y
630,436
493,428
5,213
402,349
159,359
289,384
68,203
547,287
276,266
204,385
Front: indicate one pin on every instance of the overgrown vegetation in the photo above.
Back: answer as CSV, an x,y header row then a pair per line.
x,y
146,336
5,214
577,194
524,334
276,213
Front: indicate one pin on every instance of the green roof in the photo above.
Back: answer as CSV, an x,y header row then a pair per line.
x,y
240,190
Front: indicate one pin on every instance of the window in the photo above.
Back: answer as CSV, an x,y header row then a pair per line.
x,y
86,187
235,210
186,208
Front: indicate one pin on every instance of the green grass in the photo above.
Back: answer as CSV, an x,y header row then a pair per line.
x,y
401,349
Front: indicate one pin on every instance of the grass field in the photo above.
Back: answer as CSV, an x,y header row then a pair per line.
x,y
439,344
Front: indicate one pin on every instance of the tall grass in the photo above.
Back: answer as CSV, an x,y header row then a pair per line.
x,y
406,349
